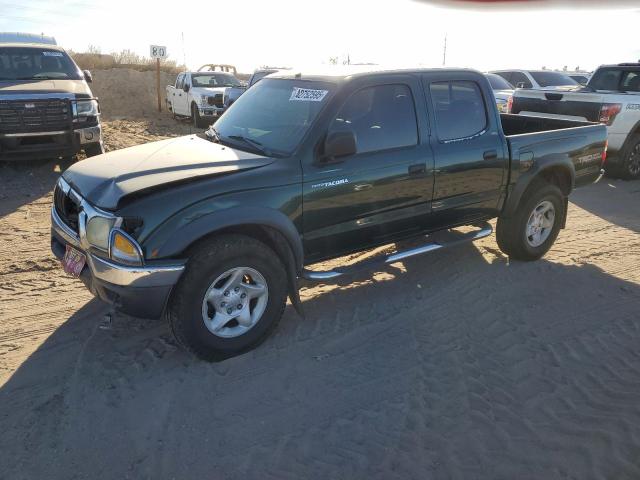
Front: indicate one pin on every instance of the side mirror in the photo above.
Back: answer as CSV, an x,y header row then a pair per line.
x,y
340,144
87,76
185,87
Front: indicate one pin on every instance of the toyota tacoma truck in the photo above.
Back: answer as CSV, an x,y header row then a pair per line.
x,y
46,107
203,96
216,231
612,97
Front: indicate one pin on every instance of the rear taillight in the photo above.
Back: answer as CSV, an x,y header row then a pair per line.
x,y
604,152
509,103
608,112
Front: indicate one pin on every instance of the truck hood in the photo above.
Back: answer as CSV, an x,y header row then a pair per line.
x,y
105,179
70,87
208,90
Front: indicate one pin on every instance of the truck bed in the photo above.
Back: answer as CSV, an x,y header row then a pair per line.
x,y
534,141
520,124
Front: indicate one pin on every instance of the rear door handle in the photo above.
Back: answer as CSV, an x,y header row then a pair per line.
x,y
490,154
417,169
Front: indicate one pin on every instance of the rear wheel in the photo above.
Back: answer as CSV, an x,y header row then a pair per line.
x,y
229,299
631,159
530,232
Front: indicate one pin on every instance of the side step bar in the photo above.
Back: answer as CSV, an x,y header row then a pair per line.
x,y
484,231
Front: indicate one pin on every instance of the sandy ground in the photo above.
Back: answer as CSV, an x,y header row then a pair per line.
x,y
455,365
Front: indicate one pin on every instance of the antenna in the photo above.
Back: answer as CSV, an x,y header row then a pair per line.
x,y
444,51
184,55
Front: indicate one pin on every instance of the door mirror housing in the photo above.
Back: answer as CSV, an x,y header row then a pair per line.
x,y
185,87
87,76
339,144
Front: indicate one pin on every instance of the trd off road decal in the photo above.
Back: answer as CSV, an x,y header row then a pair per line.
x,y
307,95
589,159
633,106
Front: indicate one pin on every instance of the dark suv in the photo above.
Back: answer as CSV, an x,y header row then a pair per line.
x,y
46,106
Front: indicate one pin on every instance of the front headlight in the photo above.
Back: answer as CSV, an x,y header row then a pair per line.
x,y
98,231
124,249
85,108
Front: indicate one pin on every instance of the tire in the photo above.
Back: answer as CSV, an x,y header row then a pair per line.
x,y
630,167
196,119
205,275
94,149
541,201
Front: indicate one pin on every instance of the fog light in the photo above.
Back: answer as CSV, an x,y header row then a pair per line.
x,y
88,135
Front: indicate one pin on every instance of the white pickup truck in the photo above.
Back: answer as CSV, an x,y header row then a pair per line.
x,y
200,95
612,96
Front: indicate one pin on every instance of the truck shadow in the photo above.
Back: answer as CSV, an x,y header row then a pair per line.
x,y
616,201
22,183
458,349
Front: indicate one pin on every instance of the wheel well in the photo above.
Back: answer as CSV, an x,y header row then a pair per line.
x,y
560,177
267,235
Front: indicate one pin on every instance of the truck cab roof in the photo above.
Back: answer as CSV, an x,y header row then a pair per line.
x,y
339,73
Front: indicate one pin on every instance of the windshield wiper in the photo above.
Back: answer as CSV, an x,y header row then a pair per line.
x,y
253,143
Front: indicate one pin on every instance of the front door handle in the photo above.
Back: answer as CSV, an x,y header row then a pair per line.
x,y
490,154
417,169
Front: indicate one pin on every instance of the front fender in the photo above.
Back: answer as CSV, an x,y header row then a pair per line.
x,y
172,244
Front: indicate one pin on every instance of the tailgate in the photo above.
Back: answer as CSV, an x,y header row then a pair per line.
x,y
567,105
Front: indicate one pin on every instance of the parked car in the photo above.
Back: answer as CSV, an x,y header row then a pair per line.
x,y
216,233
502,90
612,97
47,109
260,73
581,78
200,95
538,79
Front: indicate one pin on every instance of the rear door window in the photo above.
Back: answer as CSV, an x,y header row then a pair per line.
x,y
459,109
381,117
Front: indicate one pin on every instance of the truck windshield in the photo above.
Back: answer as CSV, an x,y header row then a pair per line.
x,y
274,114
29,63
214,80
553,79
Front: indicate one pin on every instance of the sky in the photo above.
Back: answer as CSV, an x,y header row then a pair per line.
x,y
252,33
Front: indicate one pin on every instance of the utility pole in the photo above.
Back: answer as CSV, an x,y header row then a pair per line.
x,y
444,51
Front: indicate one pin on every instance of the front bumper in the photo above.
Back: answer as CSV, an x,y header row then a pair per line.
x,y
209,111
137,291
59,143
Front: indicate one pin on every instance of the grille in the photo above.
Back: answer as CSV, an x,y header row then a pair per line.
x,y
66,209
216,101
23,116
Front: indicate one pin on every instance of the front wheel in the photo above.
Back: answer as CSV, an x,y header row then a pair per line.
x,y
531,231
94,149
196,119
229,299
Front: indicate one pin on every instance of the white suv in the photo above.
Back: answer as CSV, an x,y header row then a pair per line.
x,y
538,79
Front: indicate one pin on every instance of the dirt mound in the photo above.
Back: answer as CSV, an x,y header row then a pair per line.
x,y
127,93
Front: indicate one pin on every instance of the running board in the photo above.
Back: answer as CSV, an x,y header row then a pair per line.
x,y
484,231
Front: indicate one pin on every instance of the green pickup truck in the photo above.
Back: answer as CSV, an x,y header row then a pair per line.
x,y
215,231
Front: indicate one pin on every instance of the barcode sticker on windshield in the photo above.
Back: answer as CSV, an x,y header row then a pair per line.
x,y
52,54
307,95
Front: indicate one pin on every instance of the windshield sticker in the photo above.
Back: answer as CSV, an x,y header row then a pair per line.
x,y
52,54
307,95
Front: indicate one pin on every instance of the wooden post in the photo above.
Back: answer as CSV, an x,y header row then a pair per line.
x,y
158,83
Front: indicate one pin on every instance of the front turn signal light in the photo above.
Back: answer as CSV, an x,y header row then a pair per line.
x,y
124,249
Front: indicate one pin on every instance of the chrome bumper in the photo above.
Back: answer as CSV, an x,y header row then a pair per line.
x,y
113,273
88,134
